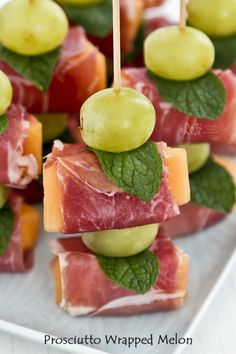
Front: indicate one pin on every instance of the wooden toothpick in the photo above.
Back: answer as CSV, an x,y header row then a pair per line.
x,y
116,44
183,14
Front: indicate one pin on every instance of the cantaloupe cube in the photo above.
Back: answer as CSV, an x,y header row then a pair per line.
x,y
176,161
34,140
29,226
53,221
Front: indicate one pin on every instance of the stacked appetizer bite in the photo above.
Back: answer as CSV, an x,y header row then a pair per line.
x,y
196,107
20,163
53,68
115,190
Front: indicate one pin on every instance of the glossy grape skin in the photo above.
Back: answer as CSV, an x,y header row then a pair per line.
x,y
3,195
53,125
179,55
117,121
121,243
217,18
32,27
197,155
6,93
80,2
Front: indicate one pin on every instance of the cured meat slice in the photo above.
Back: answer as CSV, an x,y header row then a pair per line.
x,y
18,256
79,197
174,127
77,270
80,72
21,148
193,218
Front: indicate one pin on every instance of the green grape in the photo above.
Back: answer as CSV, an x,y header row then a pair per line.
x,y
5,93
121,243
3,195
117,120
197,155
80,2
217,18
53,125
179,55
32,27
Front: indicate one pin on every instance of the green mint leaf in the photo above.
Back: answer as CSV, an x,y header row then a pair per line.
x,y
6,227
204,97
225,49
37,69
4,124
96,19
213,187
136,273
138,172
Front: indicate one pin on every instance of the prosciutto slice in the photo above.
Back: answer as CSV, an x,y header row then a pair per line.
x,y
89,201
77,272
14,258
174,127
193,218
16,168
152,3
79,73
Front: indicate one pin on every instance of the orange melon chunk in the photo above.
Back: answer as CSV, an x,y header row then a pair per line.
x,y
29,226
33,142
53,221
176,161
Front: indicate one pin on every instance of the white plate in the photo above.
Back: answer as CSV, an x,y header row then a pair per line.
x,y
27,300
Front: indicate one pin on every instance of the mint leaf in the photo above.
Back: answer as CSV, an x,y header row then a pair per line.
x,y
96,19
137,273
225,52
138,172
37,69
4,124
204,97
6,227
213,187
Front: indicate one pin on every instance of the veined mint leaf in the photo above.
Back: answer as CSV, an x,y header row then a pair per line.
x,y
137,273
213,187
138,172
6,227
225,52
96,19
37,69
4,124
204,97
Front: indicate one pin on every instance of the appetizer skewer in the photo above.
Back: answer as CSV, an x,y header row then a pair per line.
x,y
115,191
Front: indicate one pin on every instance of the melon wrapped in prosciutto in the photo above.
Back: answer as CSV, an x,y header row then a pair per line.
x,y
20,148
194,218
73,260
80,72
175,127
18,257
78,197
